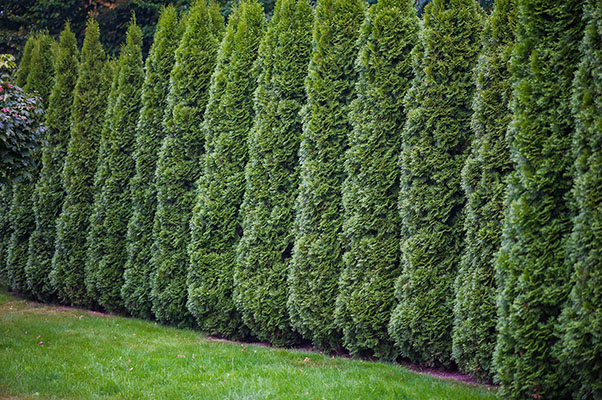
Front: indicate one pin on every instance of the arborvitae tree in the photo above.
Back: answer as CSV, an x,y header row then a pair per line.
x,y
484,179
318,251
581,322
435,144
24,65
533,277
6,195
105,277
216,224
178,167
272,181
39,80
49,192
149,135
371,189
87,113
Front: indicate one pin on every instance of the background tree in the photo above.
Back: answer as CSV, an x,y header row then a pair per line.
x,y
533,276
371,189
484,179
581,324
88,110
149,135
216,224
25,63
435,144
49,192
272,179
178,167
114,200
318,253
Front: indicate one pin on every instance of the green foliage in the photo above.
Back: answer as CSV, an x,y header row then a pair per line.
x,y
272,180
435,144
318,251
6,195
112,207
484,179
178,166
581,322
41,68
87,113
533,277
49,192
371,189
24,65
216,224
149,135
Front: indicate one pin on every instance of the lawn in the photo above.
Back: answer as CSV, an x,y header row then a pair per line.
x,y
54,352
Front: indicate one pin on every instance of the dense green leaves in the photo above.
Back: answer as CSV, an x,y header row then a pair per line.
x,y
371,189
533,275
318,251
272,180
178,166
216,224
435,143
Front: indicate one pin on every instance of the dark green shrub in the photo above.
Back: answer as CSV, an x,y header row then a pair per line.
x,y
178,166
216,224
272,181
533,277
318,251
149,135
435,144
371,189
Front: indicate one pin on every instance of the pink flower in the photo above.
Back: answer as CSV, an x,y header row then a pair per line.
x,y
5,110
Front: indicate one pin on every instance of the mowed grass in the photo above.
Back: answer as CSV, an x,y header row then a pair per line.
x,y
59,353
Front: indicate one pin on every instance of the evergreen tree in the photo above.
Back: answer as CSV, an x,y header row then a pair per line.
x,y
272,181
371,189
6,192
317,258
87,113
581,322
533,277
216,225
21,215
105,277
178,166
435,144
484,179
25,64
149,134
49,192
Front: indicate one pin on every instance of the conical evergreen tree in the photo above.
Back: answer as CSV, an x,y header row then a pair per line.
x,y
21,215
88,110
581,323
272,180
178,167
49,193
318,252
216,225
484,179
371,189
25,64
533,277
149,135
113,202
435,144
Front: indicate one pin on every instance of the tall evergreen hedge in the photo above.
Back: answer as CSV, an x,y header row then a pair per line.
x,y
150,132
39,80
105,276
272,180
435,144
216,224
371,189
25,63
484,179
581,323
318,252
178,166
532,272
87,115
49,192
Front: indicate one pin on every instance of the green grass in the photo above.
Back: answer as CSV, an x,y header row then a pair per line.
x,y
53,352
